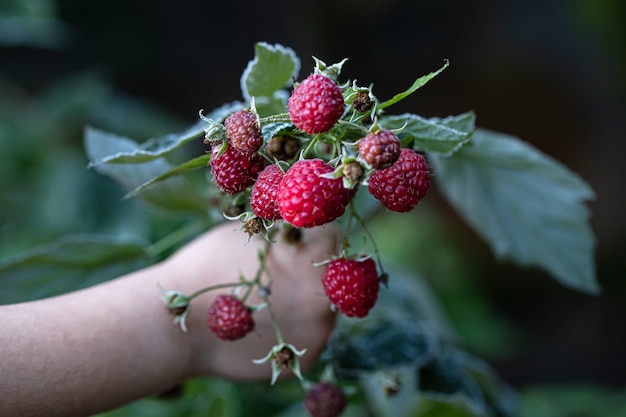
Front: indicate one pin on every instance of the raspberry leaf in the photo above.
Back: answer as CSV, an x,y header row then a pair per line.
x,y
191,165
526,205
158,147
269,130
432,135
67,264
419,83
273,67
173,194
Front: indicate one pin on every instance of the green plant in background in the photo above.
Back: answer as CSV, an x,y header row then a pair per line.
x,y
399,360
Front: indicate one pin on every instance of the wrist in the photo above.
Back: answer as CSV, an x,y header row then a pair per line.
x,y
185,332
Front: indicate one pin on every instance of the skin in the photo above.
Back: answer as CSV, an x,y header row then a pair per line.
x,y
98,348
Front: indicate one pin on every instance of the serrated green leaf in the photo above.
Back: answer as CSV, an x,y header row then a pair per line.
x,y
273,67
527,206
269,130
431,135
419,83
158,147
173,194
268,106
70,263
465,122
191,165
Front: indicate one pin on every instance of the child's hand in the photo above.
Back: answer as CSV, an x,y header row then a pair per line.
x,y
297,297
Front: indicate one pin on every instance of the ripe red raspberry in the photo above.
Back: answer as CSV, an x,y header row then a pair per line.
x,y
316,104
233,170
263,196
325,400
380,150
401,186
351,285
243,132
229,318
306,198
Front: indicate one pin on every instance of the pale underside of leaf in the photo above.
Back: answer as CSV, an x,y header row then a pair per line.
x,y
172,194
191,165
432,135
158,147
527,206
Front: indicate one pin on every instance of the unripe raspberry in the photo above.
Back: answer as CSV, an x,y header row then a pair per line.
x,y
229,318
283,147
234,171
316,104
306,198
351,285
401,186
263,197
243,132
380,150
325,400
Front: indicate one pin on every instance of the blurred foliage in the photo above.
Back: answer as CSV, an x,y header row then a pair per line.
x,y
31,23
45,188
433,250
573,400
46,191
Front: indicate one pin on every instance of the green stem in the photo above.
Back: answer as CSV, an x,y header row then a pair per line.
x,y
257,280
280,117
262,268
217,287
368,234
353,125
310,146
279,334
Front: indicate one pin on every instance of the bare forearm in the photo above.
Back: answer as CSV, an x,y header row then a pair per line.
x,y
99,348
89,351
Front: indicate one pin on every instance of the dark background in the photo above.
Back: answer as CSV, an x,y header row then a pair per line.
x,y
551,72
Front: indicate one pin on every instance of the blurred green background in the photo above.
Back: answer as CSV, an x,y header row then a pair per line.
x,y
551,72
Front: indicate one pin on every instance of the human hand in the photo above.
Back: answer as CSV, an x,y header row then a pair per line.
x,y
303,312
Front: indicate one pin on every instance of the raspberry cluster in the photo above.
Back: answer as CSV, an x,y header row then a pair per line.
x,y
305,173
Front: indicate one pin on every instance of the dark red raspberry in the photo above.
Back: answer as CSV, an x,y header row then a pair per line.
x,y
263,196
325,400
229,318
243,132
306,198
316,104
233,170
380,150
351,285
401,186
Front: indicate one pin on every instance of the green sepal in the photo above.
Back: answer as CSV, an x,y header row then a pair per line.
x,y
419,83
